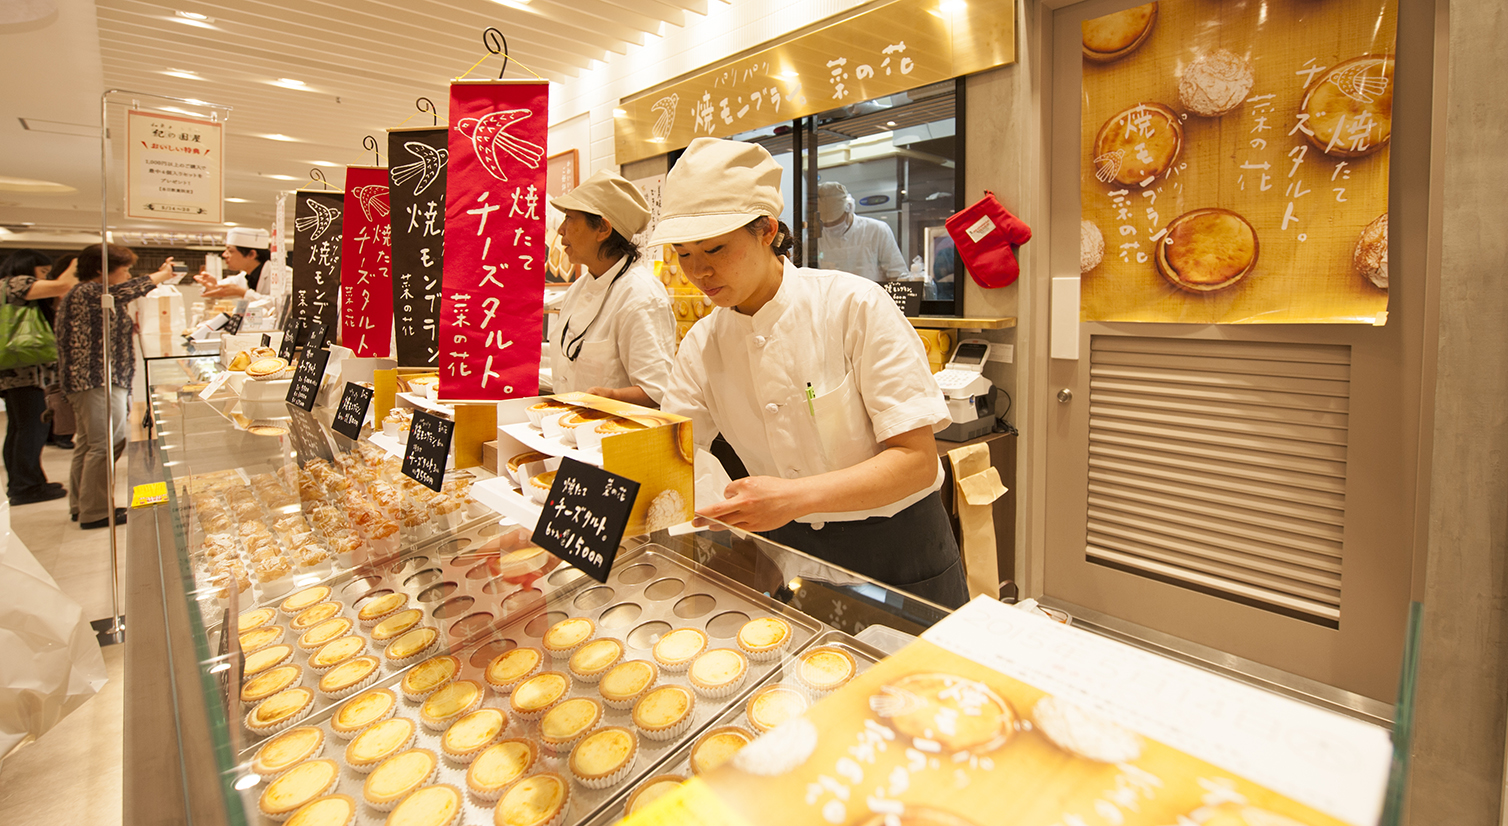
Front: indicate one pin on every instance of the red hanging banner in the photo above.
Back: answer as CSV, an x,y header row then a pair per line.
x,y
492,302
366,265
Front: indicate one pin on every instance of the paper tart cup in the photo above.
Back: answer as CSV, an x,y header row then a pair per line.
x,y
363,684
613,779
442,723
748,736
387,805
538,411
560,746
312,646
350,733
285,814
399,816
466,755
762,655
369,622
364,767
288,656
592,676
679,667
321,809
533,715
562,654
628,804
390,429
386,545
549,424
418,694
817,692
403,662
673,731
491,795
271,772
565,800
264,730
720,692
248,703
505,688
322,668
628,703
269,635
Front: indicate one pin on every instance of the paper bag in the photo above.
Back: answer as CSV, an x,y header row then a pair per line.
x,y
160,312
976,486
50,662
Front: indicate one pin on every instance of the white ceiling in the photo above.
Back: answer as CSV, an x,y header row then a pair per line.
x,y
363,63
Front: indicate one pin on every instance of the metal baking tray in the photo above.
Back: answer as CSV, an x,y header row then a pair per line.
x,y
735,714
650,591
450,579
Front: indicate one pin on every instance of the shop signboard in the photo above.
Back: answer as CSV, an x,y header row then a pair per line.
x,y
304,388
366,280
888,49
317,228
428,449
1234,163
351,413
492,306
174,168
585,515
417,159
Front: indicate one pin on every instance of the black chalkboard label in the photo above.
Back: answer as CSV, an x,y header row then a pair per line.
x,y
266,339
317,333
428,449
907,295
233,324
352,410
585,516
289,345
306,378
308,437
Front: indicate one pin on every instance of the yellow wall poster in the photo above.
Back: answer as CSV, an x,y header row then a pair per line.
x,y
1234,162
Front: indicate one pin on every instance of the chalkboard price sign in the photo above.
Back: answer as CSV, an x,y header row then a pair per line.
x,y
317,334
290,338
308,438
266,339
428,449
585,516
907,295
352,411
307,377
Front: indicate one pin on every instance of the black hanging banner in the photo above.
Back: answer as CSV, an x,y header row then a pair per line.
x,y
308,437
306,379
907,295
316,255
416,191
428,449
352,411
292,329
585,516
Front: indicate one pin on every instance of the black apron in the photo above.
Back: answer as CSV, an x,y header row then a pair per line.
x,y
914,550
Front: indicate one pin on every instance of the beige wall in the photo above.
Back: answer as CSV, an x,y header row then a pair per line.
x,y
1463,681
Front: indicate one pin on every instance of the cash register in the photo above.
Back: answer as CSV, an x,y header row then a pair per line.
x,y
967,391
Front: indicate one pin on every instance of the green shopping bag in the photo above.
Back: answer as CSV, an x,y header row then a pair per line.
x,y
25,337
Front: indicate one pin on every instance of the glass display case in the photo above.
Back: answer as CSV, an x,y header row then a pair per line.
x,y
295,580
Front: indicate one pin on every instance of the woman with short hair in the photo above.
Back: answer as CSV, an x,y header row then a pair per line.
x,y
23,276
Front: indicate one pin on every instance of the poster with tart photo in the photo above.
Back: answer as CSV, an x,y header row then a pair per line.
x,y
1234,162
1000,716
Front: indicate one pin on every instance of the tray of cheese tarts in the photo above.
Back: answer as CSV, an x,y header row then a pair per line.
x,y
326,641
547,720
831,660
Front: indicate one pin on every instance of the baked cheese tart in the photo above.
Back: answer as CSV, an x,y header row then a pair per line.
x,y
1114,36
1207,250
287,750
651,790
307,598
764,638
413,644
363,710
564,637
510,668
474,732
255,618
568,721
327,631
1349,108
1370,258
349,677
395,625
536,695
330,810
626,682
592,660
265,659
455,700
665,712
1138,144
270,682
267,369
379,742
437,805
310,617
381,607
298,786
718,673
773,705
337,651
716,747
398,777
825,669
675,651
537,800
499,766
954,713
604,758
430,676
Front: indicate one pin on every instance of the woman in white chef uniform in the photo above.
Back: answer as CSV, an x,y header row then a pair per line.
x,y
815,378
615,335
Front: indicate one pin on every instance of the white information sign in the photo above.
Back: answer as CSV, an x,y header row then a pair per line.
x,y
174,168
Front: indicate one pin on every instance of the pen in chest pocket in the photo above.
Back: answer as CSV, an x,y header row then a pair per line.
x,y
810,394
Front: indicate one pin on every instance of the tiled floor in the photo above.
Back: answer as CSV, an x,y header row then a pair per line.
x,y
72,774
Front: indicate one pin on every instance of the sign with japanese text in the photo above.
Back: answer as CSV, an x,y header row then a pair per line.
x,y
174,168
288,346
316,255
1234,163
428,449
907,296
308,437
317,337
366,279
416,180
585,516
896,47
492,303
351,414
304,388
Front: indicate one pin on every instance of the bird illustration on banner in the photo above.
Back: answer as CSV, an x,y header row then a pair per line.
x,y
489,137
426,169
320,221
373,201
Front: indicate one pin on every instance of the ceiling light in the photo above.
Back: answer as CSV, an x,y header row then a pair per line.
x,y
247,781
237,201
278,136
183,73
620,113
328,164
203,24
288,81
890,123
193,15
948,7
229,223
512,2
281,177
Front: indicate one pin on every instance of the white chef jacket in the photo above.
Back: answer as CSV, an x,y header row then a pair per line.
x,y
747,377
630,332
866,248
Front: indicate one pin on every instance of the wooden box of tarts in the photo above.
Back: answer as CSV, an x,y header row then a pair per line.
x,y
997,715
580,695
650,447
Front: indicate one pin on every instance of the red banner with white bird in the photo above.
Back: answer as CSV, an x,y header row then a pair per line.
x,y
492,302
366,264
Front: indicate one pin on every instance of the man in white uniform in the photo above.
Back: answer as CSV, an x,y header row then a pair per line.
x,y
853,243
246,253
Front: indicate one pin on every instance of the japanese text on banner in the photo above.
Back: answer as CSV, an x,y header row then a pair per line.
x,y
316,256
418,159
366,288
